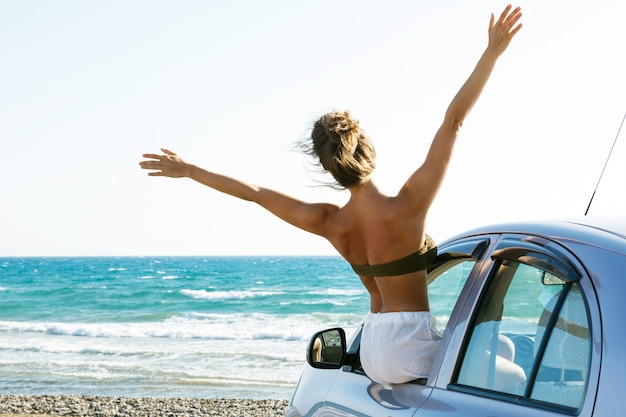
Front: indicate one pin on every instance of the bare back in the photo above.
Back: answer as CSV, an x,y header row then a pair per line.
x,y
374,229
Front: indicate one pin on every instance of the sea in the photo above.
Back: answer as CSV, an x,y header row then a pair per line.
x,y
189,327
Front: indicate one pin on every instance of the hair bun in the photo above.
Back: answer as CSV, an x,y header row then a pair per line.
x,y
342,130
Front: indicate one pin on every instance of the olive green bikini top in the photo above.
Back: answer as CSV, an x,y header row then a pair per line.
x,y
417,261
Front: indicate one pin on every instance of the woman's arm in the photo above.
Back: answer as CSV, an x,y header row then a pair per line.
x,y
310,217
423,185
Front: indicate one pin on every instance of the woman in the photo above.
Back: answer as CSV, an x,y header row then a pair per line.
x,y
382,237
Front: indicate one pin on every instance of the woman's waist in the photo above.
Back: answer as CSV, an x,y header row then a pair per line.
x,y
393,317
414,301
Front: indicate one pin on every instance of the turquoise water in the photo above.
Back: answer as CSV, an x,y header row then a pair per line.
x,y
232,327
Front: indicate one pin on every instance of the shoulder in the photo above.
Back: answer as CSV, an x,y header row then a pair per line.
x,y
413,197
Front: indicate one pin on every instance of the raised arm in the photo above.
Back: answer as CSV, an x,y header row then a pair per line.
x,y
423,185
306,216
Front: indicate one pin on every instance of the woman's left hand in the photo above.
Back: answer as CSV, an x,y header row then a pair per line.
x,y
502,31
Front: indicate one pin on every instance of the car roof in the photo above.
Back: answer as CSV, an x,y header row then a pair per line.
x,y
597,230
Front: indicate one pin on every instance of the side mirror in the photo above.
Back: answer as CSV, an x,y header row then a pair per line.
x,y
550,279
327,349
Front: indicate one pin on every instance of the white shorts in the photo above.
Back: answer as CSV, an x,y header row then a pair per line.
x,y
398,347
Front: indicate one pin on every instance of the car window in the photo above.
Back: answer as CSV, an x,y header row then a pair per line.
x,y
530,338
564,366
444,291
448,274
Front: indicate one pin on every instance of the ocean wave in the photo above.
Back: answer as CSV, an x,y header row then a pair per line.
x,y
227,295
336,291
244,326
326,301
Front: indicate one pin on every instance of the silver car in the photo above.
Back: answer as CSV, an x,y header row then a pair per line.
x,y
531,317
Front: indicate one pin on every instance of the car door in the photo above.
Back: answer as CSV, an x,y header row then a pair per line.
x,y
354,394
523,343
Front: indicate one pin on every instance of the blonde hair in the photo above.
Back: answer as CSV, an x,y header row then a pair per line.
x,y
342,148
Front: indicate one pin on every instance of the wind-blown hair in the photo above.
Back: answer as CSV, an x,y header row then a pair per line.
x,y
342,148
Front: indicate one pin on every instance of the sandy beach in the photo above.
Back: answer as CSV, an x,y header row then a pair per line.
x,y
95,406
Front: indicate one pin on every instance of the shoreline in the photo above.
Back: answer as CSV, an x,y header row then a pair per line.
x,y
102,406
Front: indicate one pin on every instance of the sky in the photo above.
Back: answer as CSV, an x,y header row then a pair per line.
x,y
87,87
